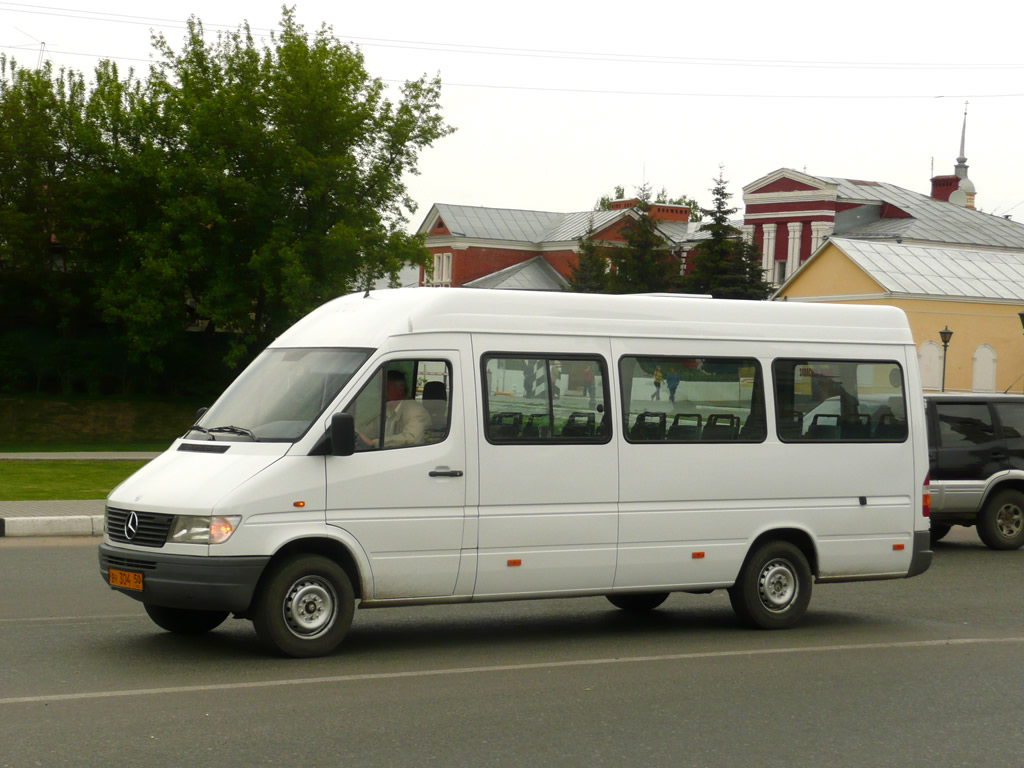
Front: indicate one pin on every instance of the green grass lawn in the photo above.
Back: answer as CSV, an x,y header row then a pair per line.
x,y
71,480
85,445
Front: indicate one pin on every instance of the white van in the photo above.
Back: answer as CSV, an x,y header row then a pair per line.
x,y
447,445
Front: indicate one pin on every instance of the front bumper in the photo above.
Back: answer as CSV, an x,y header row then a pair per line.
x,y
183,581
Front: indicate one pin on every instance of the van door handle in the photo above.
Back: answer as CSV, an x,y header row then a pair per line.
x,y
445,473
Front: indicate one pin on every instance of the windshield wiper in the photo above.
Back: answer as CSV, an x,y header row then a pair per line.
x,y
235,431
197,428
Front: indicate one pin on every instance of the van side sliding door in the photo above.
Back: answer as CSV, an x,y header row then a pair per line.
x,y
548,518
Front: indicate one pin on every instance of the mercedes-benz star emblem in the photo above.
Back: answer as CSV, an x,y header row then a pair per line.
x,y
131,526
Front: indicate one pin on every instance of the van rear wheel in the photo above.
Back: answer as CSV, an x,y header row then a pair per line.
x,y
774,587
638,602
185,621
1001,524
937,531
304,607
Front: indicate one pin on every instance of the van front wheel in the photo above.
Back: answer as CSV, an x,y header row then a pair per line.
x,y
304,607
185,621
774,588
1001,524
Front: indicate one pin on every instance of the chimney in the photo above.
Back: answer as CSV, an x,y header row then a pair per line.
x,y
659,211
944,186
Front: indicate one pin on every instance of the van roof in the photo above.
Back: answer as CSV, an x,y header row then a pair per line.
x,y
365,320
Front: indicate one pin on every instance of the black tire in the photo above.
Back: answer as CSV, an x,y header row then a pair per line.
x,y
1001,523
774,588
185,621
638,602
304,606
938,531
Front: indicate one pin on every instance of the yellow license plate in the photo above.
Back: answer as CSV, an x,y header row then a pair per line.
x,y
125,579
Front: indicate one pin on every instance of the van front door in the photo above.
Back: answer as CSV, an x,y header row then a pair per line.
x,y
402,495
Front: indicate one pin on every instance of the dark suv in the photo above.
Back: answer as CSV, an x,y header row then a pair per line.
x,y
976,457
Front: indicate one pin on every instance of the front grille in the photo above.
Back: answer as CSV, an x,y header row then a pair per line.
x,y
152,530
111,561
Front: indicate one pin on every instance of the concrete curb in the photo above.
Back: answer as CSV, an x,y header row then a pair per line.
x,y
67,525
52,518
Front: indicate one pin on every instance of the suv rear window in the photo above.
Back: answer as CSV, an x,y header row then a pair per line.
x,y
964,424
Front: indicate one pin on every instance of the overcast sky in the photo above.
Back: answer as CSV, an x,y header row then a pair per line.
x,y
557,102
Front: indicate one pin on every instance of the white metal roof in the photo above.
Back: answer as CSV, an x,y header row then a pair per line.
x,y
932,221
538,227
531,275
358,321
939,271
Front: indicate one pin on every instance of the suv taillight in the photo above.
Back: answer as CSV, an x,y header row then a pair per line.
x,y
926,496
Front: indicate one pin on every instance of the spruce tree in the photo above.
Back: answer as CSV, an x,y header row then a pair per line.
x,y
590,272
644,264
725,266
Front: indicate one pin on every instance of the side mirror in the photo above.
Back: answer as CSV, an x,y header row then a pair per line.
x,y
343,434
200,412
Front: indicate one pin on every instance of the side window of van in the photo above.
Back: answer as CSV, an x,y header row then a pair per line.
x,y
692,399
839,401
406,403
533,399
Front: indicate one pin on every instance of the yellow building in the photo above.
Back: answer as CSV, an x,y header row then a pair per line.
x,y
977,293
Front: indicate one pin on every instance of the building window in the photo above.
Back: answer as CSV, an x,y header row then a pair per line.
x,y
984,378
780,272
441,275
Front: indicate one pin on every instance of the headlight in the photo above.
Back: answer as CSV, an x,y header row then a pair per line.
x,y
187,529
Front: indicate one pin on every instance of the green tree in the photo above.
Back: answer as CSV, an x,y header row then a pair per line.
x,y
645,264
590,272
604,203
277,174
724,265
689,202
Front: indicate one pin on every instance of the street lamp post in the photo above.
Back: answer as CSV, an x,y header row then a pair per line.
x,y
945,334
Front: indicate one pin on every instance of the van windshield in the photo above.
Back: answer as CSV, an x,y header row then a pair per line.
x,y
279,395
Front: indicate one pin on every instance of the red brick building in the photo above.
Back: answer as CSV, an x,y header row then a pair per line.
x,y
510,248
789,215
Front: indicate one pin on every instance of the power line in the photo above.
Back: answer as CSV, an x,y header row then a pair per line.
x,y
566,55
658,94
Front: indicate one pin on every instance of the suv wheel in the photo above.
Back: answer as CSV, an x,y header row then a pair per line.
x,y
1001,523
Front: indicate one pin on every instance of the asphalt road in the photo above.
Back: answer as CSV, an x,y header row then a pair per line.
x,y
919,672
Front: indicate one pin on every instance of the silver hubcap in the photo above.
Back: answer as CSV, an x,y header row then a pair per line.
x,y
309,607
1009,520
777,586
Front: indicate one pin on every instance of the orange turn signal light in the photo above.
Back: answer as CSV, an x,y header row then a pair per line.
x,y
298,503
514,563
697,555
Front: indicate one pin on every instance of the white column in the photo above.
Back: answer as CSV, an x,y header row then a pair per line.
x,y
793,257
768,251
748,232
819,231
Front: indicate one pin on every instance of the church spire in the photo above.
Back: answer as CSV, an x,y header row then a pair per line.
x,y
961,162
965,192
